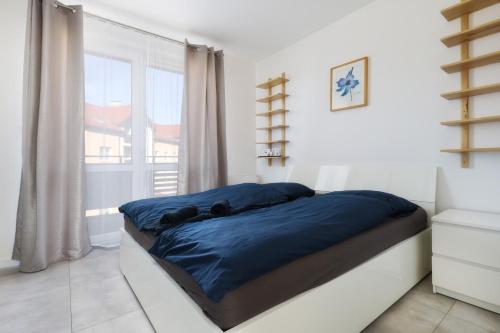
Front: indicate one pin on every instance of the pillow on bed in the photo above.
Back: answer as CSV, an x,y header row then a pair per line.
x,y
291,190
399,206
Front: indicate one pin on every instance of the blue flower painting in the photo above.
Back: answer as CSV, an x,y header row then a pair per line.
x,y
347,84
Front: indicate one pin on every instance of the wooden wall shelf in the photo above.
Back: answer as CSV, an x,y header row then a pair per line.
x,y
270,113
472,150
466,7
272,98
478,120
272,127
473,33
464,38
483,60
486,89
273,157
272,142
272,83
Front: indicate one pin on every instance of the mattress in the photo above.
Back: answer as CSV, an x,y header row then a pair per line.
x,y
298,276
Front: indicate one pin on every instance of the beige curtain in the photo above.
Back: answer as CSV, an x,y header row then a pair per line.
x,y
50,212
202,151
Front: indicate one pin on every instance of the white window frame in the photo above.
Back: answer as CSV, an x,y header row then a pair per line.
x,y
134,56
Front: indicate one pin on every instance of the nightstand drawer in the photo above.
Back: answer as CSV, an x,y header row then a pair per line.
x,y
473,281
469,244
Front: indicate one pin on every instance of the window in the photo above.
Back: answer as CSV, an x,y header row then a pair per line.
x,y
104,152
133,100
164,91
108,110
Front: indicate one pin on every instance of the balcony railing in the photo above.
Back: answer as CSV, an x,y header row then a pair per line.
x,y
159,171
164,182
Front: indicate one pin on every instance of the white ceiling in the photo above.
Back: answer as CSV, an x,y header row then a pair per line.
x,y
255,28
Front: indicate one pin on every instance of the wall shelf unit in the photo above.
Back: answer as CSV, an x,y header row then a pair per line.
x,y
481,90
273,83
272,127
483,60
478,120
471,150
272,142
270,114
473,33
466,7
463,10
270,158
272,98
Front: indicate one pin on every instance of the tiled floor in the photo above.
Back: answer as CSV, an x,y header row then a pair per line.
x,y
91,296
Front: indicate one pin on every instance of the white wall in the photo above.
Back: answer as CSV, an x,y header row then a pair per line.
x,y
240,95
240,118
12,27
401,123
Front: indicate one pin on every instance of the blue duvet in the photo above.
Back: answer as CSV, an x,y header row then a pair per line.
x,y
223,253
146,213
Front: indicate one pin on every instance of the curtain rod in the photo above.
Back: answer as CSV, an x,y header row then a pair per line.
x,y
134,28
58,4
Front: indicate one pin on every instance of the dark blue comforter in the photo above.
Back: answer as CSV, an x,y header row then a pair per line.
x,y
223,253
146,213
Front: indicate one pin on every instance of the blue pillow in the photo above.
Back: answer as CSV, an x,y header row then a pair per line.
x,y
399,206
291,190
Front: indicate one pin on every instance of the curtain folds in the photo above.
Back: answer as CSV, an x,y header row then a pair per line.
x,y
50,225
134,84
202,151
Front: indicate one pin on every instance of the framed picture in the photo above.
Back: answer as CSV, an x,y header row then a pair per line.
x,y
349,85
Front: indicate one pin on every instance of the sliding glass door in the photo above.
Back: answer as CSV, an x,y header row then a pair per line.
x,y
133,101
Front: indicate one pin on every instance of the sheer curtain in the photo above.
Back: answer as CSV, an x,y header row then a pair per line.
x,y
133,101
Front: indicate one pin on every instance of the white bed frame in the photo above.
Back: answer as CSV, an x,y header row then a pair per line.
x,y
348,303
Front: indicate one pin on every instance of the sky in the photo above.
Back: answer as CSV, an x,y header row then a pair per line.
x,y
108,82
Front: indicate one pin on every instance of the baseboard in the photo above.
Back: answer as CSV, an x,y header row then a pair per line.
x,y
8,267
107,240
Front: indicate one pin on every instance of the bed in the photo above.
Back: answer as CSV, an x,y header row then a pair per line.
x,y
332,299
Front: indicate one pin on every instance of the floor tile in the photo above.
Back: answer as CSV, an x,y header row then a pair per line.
x,y
485,319
436,301
407,316
95,302
92,296
425,285
451,324
98,265
134,322
21,286
46,312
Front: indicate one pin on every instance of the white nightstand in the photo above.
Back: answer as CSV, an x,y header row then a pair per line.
x,y
466,257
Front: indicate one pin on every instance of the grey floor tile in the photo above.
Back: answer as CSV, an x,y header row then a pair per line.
x,y
425,285
407,316
436,301
451,324
21,286
134,322
95,302
46,312
98,265
485,319
92,296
